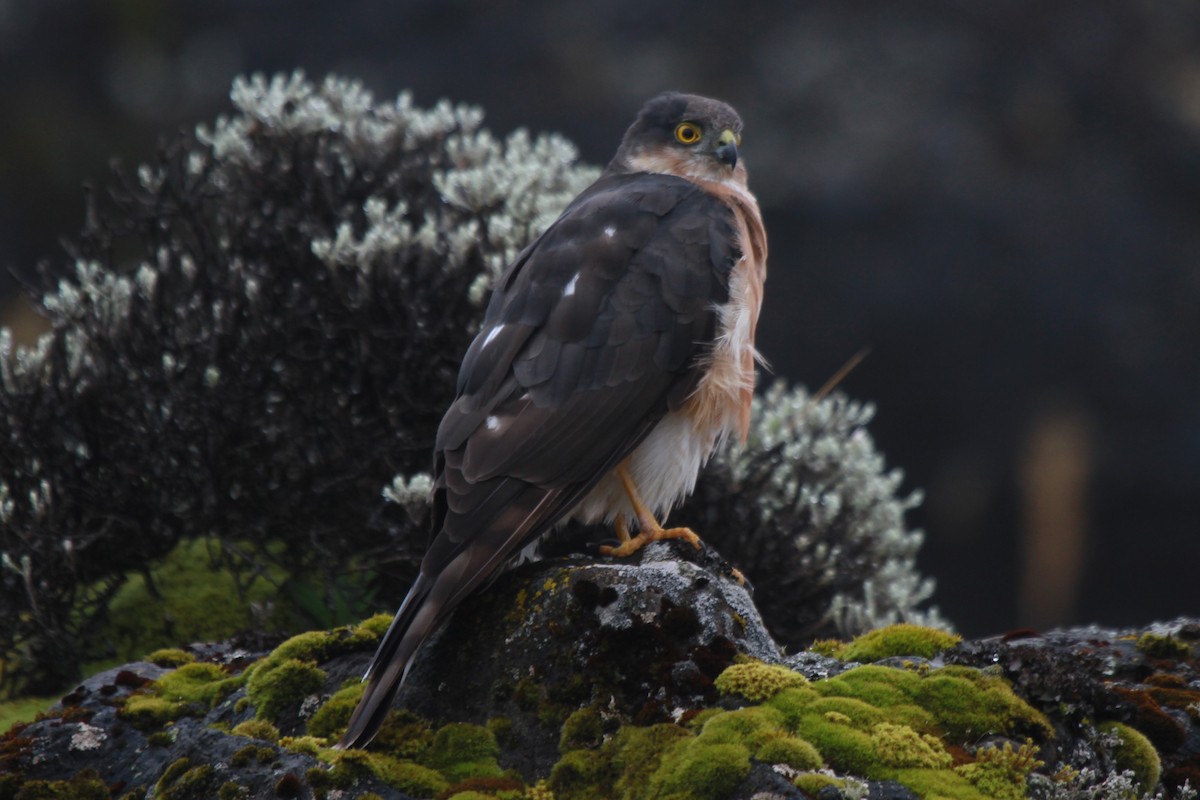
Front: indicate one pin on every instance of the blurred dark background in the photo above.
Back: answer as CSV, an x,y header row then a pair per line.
x,y
1001,200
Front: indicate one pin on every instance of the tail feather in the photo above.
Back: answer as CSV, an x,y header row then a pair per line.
x,y
394,656
442,585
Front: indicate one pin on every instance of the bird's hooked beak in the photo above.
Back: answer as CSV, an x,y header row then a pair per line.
x,y
727,149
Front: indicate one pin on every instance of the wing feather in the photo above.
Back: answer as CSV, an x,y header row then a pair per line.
x,y
595,331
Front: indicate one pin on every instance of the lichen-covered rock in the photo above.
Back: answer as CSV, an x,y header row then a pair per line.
x,y
644,680
643,641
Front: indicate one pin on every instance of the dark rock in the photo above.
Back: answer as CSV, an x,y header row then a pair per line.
x,y
889,790
764,783
642,640
1089,673
566,655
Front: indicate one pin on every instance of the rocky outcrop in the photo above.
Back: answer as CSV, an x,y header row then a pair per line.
x,y
570,678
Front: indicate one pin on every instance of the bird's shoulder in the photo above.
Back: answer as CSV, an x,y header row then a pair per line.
x,y
614,219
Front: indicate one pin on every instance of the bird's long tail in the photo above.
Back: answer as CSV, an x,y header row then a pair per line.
x,y
414,621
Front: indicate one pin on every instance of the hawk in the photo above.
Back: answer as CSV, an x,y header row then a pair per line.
x,y
616,353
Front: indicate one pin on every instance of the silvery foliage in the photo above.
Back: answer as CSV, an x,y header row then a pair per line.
x,y
1092,784
259,328
809,511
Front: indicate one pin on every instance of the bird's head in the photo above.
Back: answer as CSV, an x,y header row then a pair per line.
x,y
686,135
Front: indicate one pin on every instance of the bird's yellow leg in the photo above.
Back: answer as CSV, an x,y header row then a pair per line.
x,y
649,530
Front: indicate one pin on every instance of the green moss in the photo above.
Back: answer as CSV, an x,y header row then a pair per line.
x,y
582,729
257,729
86,785
404,734
701,718
827,647
147,712
900,746
282,685
1002,772
471,795
757,681
991,782
1134,753
790,750
305,745
170,657
811,783
232,791
936,783
192,689
898,640
351,765
857,713
374,627
1159,646
205,684
960,702
968,704
502,729
331,718
461,750
746,726
489,787
637,753
307,646
882,687
412,779
181,781
160,739
694,769
844,747
252,753
619,769
539,791
793,703
577,775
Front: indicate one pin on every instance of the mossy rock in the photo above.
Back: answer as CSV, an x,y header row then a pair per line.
x,y
899,746
696,769
936,783
331,719
896,640
192,689
170,657
85,785
1135,753
461,750
964,702
283,686
1162,646
757,681
183,780
257,729
349,766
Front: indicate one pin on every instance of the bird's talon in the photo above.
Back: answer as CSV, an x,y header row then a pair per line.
x,y
631,545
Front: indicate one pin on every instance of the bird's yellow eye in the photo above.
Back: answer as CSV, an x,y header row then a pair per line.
x,y
687,133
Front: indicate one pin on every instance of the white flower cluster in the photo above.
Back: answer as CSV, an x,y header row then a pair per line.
x,y
412,494
506,192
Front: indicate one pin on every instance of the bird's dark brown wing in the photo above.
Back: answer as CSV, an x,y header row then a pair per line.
x,y
592,335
